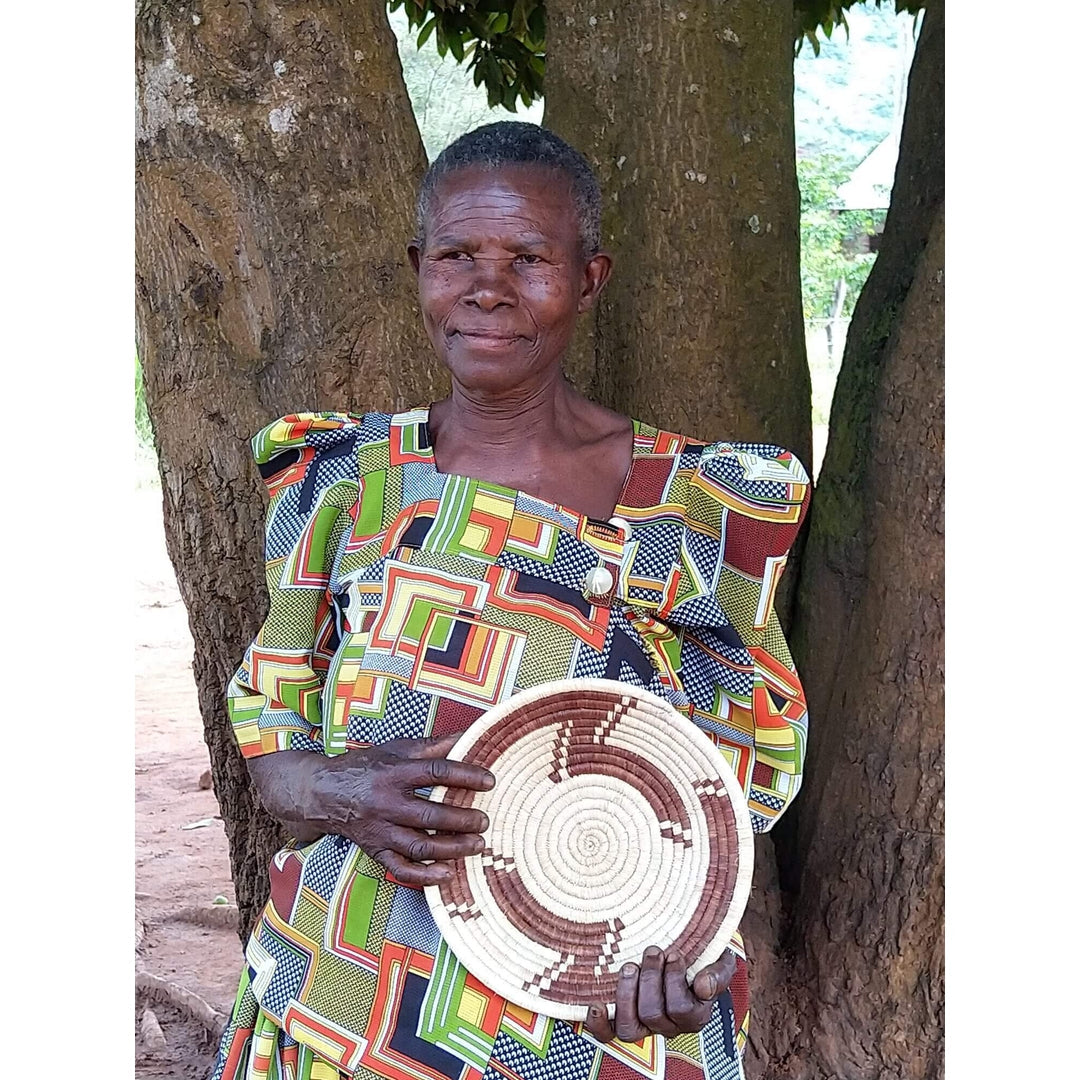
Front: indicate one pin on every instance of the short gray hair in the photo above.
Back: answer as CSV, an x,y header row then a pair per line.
x,y
510,142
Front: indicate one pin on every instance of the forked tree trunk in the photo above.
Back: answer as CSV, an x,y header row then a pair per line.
x,y
685,109
864,845
273,202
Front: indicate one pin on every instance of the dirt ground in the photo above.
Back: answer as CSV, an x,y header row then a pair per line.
x,y
184,942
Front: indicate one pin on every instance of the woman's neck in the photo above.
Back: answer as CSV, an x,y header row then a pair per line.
x,y
556,445
524,420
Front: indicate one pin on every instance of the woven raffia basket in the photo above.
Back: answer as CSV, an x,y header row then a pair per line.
x,y
615,824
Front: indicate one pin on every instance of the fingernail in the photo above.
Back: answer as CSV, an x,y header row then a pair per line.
x,y
594,1011
629,971
710,986
652,952
484,826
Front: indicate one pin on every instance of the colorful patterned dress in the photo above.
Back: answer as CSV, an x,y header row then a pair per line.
x,y
404,602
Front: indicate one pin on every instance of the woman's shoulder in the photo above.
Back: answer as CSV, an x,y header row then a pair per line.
x,y
737,464
711,481
286,449
317,430
751,497
759,470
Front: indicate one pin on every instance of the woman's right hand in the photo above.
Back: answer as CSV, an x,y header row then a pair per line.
x,y
369,797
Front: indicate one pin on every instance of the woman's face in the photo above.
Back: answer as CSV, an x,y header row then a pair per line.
x,y
502,276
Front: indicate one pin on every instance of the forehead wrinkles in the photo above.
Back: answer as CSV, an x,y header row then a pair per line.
x,y
485,216
496,209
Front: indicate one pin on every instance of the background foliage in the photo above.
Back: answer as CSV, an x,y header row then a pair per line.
x,y
829,236
502,42
814,18
142,417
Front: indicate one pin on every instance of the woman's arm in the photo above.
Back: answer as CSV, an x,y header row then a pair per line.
x,y
369,796
298,759
745,505
283,782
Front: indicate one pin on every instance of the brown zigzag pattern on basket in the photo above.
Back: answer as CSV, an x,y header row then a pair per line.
x,y
710,788
673,831
464,912
496,860
606,726
551,973
559,751
610,950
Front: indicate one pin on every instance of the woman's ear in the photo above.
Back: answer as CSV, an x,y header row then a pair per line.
x,y
597,272
414,254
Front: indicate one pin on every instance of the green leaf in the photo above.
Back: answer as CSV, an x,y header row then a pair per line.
x,y
813,17
510,31
426,31
538,23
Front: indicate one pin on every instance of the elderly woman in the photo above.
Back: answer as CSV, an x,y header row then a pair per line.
x,y
605,548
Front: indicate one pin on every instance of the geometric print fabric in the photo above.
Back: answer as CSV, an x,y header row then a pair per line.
x,y
434,597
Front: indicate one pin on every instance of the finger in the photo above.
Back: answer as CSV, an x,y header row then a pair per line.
x,y
650,1001
686,1012
419,847
424,814
598,1024
710,982
442,771
415,874
628,1026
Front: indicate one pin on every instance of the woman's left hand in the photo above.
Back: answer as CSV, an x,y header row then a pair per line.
x,y
657,1000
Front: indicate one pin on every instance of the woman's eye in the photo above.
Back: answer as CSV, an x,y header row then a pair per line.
x,y
529,259
457,256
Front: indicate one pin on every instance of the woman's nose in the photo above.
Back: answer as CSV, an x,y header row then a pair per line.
x,y
491,285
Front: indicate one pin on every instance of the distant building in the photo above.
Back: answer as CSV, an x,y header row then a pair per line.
x,y
870,186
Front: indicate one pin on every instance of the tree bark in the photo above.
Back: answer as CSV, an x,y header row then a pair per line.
x,y
686,112
273,205
864,844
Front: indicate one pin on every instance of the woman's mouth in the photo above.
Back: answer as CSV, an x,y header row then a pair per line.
x,y
486,339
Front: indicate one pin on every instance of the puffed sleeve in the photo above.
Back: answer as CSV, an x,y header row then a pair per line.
x,y
744,505
308,464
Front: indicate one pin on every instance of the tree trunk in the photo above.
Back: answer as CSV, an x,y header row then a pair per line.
x,y
866,852
273,204
686,112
